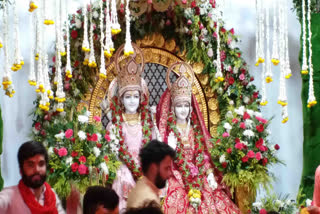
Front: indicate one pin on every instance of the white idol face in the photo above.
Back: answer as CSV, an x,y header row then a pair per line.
x,y
182,110
131,101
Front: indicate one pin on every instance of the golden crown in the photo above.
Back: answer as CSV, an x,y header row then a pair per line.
x,y
129,71
181,89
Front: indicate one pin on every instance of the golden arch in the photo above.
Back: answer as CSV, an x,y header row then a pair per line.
x,y
157,50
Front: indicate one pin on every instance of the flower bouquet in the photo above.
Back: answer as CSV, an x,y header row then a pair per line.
x,y
79,152
242,152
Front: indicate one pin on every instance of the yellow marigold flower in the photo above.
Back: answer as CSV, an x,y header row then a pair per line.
x,y
60,109
260,60
128,53
32,6
115,31
190,193
112,50
288,76
63,53
13,68
37,56
102,76
92,64
264,103
304,72
68,74
269,79
21,62
257,64
48,22
37,90
55,82
107,54
1,45
32,82
86,62
50,97
86,49
285,120
47,103
282,103
18,66
312,103
275,61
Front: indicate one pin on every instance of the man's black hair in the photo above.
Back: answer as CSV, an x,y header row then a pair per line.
x,y
30,149
154,152
99,195
151,207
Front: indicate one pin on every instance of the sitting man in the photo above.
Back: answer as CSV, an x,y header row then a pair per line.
x,y
100,200
156,161
32,194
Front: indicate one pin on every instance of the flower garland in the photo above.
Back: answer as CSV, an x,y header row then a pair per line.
x,y
92,60
146,124
304,69
60,27
193,183
275,48
115,26
109,48
260,33
32,76
218,76
287,72
311,98
85,42
32,6
102,62
18,60
68,66
6,80
268,74
128,49
47,19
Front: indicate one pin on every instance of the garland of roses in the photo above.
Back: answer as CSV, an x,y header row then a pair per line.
x,y
181,162
147,126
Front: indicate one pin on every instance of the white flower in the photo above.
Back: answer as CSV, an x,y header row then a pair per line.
x,y
279,203
244,142
248,133
87,113
99,136
62,114
308,202
153,109
95,14
35,131
235,70
220,90
60,135
250,112
258,114
249,123
240,110
246,100
96,151
104,168
227,126
222,158
83,119
210,52
45,143
268,131
82,135
50,151
229,114
172,140
212,181
257,205
78,23
231,102
69,160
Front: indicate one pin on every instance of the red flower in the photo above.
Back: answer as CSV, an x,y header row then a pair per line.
x,y
262,120
73,140
232,31
55,150
97,118
263,148
239,54
258,156
99,145
260,128
68,134
76,63
54,59
63,152
235,120
259,143
74,167
180,162
264,161
37,126
246,116
106,158
74,34
82,169
245,159
229,150
251,154
251,79
239,146
277,147
237,140
43,132
82,159
224,164
193,4
223,30
93,137
242,125
263,211
231,80
255,94
218,141
74,154
170,119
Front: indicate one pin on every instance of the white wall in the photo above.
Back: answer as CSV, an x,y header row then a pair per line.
x,y
239,15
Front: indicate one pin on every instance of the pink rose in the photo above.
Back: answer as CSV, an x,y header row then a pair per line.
x,y
260,119
258,156
263,148
239,146
107,137
246,116
82,169
251,154
226,134
97,118
62,152
263,211
68,133
189,22
232,31
241,77
242,125
194,170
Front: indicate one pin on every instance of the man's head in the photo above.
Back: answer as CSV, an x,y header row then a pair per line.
x,y
100,200
33,160
148,208
156,162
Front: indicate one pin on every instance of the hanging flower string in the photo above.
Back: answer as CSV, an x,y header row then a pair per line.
x,y
288,72
102,62
128,49
92,60
47,19
268,74
304,69
40,80
6,80
17,60
1,42
217,62
109,48
311,99
115,26
260,33
264,100
68,66
32,6
275,48
85,42
32,76
146,125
